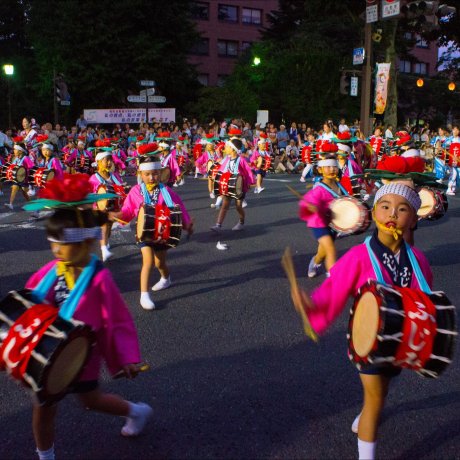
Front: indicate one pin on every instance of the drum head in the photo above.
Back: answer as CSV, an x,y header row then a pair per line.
x,y
165,174
21,174
365,324
140,223
346,214
428,198
67,365
50,175
101,204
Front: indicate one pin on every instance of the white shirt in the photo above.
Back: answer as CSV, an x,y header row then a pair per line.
x,y
388,134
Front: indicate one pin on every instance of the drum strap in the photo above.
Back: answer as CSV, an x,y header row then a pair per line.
x,y
350,168
235,167
334,194
70,304
413,260
164,193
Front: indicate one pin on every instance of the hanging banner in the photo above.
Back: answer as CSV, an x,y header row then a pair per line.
x,y
136,115
382,75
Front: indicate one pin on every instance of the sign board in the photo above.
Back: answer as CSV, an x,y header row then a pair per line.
x,y
147,83
372,13
390,8
147,92
358,56
136,115
65,102
262,118
153,99
353,86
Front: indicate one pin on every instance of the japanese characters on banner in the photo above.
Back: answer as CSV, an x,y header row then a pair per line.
x,y
136,115
390,8
382,75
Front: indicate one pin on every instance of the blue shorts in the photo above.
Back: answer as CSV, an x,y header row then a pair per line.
x,y
261,172
318,232
154,246
387,371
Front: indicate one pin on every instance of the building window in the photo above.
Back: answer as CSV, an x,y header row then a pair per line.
x,y
404,66
421,42
227,48
201,47
245,45
421,68
200,10
251,16
203,78
228,13
221,79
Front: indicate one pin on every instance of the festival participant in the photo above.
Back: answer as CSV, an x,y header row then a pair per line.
x,y
453,160
83,158
261,161
51,161
77,283
70,155
28,133
181,156
376,141
236,166
203,161
306,157
152,194
384,257
314,209
104,176
166,158
348,168
20,158
118,156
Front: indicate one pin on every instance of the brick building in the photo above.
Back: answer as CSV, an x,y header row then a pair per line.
x,y
425,52
228,27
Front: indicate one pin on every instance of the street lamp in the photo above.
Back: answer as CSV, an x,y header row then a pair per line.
x,y
256,61
420,82
9,72
451,86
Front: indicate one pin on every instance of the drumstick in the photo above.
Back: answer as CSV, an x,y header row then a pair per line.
x,y
294,191
119,220
141,367
286,262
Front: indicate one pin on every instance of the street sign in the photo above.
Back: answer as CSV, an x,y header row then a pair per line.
x,y
390,8
147,83
353,86
65,102
358,56
147,92
156,99
372,13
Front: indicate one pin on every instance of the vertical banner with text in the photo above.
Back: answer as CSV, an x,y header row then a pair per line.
x,y
382,75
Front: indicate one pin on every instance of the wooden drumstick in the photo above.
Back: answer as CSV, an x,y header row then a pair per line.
x,y
288,265
295,192
121,221
141,367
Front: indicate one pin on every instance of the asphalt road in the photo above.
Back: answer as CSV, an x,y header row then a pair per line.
x,y
232,373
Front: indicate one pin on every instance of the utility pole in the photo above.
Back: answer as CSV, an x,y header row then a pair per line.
x,y
365,121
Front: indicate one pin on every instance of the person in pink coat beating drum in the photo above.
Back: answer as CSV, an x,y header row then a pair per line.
x,y
151,192
78,281
236,165
167,159
387,258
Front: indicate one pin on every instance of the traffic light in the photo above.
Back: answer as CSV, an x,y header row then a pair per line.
x,y
60,89
344,84
427,14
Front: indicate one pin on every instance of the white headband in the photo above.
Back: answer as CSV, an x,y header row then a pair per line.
x,y
81,143
233,146
164,145
329,162
47,146
411,153
150,166
18,147
262,141
77,235
101,155
343,147
405,191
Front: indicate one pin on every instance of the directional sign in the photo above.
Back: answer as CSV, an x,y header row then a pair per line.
x,y
147,83
147,92
372,13
156,99
353,86
65,102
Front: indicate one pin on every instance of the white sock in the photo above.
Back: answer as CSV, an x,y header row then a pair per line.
x,y
366,450
145,296
105,248
46,454
133,407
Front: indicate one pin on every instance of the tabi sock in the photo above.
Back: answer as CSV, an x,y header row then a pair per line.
x,y
46,454
366,450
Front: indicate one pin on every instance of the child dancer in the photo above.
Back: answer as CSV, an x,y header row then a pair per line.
x,y
384,257
236,165
20,158
151,192
78,280
314,209
51,161
264,162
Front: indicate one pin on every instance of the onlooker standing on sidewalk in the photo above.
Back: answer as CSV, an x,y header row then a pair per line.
x,y
81,123
282,136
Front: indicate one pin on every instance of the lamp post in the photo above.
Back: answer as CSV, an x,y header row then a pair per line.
x,y
9,72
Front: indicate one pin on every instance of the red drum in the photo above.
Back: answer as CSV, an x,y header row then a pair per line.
x,y
14,173
181,161
42,351
211,168
40,176
350,215
112,204
159,226
402,327
264,162
434,203
83,165
228,184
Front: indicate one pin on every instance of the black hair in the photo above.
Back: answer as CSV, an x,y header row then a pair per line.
x,y
23,145
237,143
73,218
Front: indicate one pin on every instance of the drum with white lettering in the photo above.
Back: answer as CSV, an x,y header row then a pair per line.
x,y
350,215
39,349
112,204
228,184
40,176
402,327
159,226
434,203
